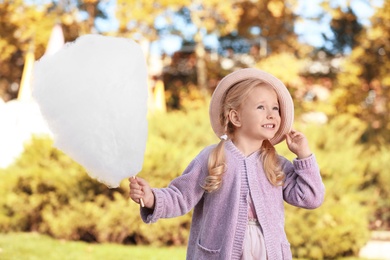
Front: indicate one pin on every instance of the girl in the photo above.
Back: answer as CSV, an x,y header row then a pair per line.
x,y
237,188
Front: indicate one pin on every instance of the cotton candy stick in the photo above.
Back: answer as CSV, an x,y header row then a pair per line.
x,y
141,201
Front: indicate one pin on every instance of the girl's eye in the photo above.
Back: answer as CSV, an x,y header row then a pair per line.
x,y
276,108
260,107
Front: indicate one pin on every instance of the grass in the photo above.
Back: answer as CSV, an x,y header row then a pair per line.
x,y
33,246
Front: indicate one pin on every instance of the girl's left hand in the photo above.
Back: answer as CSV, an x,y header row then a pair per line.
x,y
298,144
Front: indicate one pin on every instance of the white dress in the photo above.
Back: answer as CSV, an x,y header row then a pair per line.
x,y
254,244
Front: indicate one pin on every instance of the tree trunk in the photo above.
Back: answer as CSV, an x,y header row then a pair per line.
x,y
201,69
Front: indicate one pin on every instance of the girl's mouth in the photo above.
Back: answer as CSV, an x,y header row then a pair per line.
x,y
269,126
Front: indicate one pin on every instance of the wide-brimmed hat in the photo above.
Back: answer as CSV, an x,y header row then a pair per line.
x,y
286,104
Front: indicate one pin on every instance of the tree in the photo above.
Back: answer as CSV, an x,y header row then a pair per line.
x,y
345,28
19,33
70,11
363,86
137,18
269,24
363,91
257,28
92,7
204,18
31,30
211,17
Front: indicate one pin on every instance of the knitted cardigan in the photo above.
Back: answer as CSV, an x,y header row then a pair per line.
x,y
220,218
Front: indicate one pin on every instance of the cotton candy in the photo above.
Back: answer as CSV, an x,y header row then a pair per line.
x,y
93,95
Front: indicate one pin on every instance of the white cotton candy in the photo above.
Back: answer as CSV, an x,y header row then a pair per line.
x,y
93,95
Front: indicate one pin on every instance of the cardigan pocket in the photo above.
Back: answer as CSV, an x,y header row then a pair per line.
x,y
208,250
208,242
286,251
204,253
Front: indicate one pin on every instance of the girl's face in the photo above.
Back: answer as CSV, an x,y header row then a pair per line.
x,y
259,117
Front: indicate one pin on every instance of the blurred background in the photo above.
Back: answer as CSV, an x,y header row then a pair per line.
x,y
333,55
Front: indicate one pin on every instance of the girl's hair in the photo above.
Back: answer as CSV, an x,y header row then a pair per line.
x,y
232,100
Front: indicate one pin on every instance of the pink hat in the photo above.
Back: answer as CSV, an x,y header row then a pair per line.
x,y
285,101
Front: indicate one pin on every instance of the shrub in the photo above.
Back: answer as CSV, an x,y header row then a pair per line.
x,y
340,226
337,228
44,183
46,191
377,180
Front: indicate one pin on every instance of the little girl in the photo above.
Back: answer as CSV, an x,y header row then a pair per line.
x,y
237,187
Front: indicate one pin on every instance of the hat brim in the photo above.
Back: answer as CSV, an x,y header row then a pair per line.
x,y
286,104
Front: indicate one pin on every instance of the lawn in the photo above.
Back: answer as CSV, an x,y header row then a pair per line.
x,y
33,246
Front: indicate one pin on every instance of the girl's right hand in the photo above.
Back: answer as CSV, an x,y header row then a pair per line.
x,y
140,189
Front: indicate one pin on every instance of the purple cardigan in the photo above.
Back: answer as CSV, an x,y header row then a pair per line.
x,y
220,218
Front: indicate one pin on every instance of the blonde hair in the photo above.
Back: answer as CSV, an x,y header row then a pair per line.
x,y
232,100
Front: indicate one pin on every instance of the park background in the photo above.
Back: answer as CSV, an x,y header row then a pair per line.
x,y
334,57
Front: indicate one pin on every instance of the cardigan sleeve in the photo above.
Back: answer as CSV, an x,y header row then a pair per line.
x,y
303,186
182,194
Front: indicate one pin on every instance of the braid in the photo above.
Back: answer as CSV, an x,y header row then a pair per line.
x,y
271,166
216,166
216,163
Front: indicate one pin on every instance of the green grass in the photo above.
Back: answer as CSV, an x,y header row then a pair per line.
x,y
33,246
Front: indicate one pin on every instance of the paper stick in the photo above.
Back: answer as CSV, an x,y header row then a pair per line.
x,y
141,201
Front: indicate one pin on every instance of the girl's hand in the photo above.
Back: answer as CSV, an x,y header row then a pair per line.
x,y
140,189
298,144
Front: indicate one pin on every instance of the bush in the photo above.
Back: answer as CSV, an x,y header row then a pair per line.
x,y
45,184
340,226
46,191
377,180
